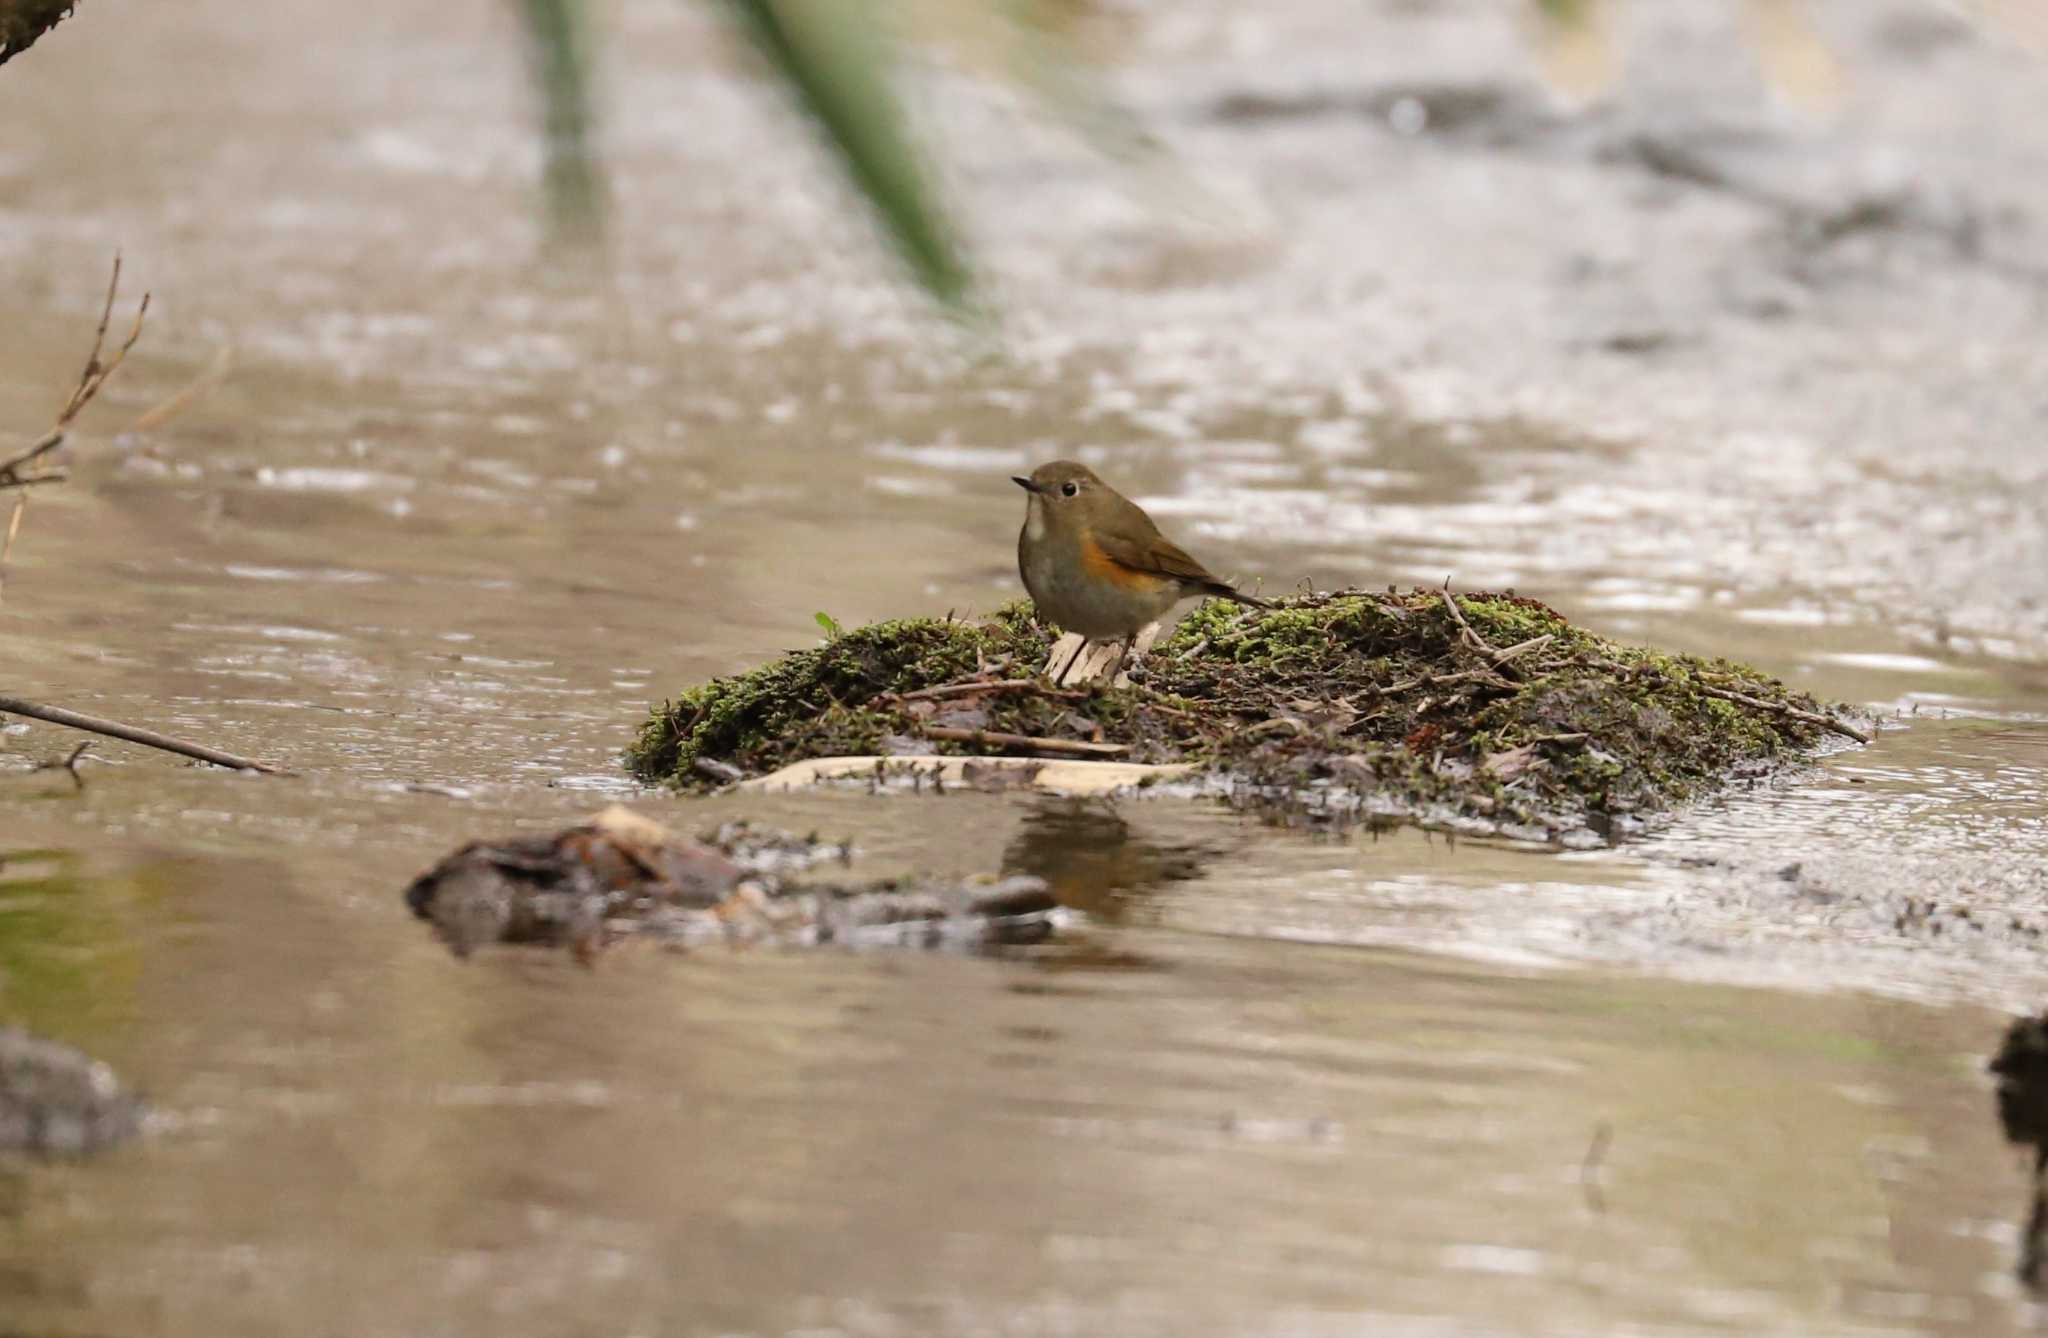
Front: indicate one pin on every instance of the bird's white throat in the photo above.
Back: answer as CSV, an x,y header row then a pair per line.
x,y
1034,520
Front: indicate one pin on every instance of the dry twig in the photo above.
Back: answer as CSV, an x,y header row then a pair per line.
x,y
192,391
13,528
69,764
1523,648
89,382
1485,677
1590,1168
1500,659
97,370
1780,708
1470,637
997,739
149,738
980,686
1790,712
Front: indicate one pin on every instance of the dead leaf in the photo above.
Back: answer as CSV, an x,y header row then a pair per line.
x,y
1513,762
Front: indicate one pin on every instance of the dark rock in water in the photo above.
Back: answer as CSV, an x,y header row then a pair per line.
x,y
622,875
2022,1068
58,1102
933,913
767,850
562,889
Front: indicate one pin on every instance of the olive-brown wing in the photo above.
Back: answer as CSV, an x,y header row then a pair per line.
x,y
1154,554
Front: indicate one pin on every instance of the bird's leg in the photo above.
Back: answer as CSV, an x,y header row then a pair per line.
x,y
1057,653
1123,652
1135,648
1060,679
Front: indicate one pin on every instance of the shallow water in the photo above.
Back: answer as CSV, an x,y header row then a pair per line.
x,y
364,1138
455,516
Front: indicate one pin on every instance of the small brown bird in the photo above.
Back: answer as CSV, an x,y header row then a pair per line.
x,y
1096,564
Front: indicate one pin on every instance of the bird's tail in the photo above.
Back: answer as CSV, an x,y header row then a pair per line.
x,y
1222,591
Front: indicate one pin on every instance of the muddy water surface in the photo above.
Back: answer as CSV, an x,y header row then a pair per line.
x,y
456,515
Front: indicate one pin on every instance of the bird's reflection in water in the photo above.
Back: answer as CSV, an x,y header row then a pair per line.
x,y
1093,861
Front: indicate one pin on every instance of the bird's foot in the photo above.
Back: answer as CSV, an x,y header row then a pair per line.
x,y
1075,660
1130,659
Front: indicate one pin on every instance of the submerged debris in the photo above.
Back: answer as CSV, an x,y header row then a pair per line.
x,y
621,874
1483,709
59,1102
2021,1066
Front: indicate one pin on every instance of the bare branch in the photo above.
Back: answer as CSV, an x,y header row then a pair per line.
x,y
69,764
184,397
979,687
1825,722
991,738
1470,637
43,445
149,738
89,381
7,547
1790,712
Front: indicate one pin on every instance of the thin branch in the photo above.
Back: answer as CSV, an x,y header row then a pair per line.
x,y
69,764
1790,712
1236,629
1273,724
1780,708
199,386
1523,647
986,685
1590,1167
149,738
7,547
10,472
89,381
997,739
1484,676
13,528
1471,638
1174,711
99,341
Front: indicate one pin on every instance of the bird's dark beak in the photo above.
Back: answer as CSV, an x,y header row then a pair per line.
x,y
1026,484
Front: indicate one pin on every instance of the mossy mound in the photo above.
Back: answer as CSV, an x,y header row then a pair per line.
x,y
1334,705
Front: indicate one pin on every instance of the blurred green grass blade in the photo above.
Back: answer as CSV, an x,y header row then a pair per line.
x,y
834,56
1565,13
558,49
1051,62
1579,45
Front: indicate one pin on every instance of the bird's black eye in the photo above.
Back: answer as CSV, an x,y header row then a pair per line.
x,y
1070,489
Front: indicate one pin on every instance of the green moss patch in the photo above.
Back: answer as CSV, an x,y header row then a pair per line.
x,y
1332,706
